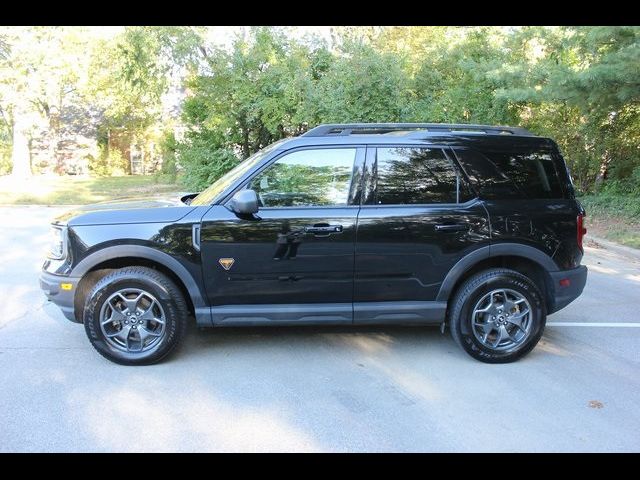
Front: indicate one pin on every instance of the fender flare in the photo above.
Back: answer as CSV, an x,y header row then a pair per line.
x,y
148,253
489,251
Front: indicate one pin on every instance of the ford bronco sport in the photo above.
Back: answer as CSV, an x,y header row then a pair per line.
x,y
473,227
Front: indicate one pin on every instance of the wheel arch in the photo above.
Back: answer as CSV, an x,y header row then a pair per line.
x,y
524,259
93,267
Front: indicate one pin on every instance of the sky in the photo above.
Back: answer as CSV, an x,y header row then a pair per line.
x,y
106,31
224,35
221,35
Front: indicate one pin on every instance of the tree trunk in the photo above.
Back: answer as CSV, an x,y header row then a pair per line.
x,y
54,158
20,155
604,168
246,148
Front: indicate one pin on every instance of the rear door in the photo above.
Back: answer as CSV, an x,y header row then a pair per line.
x,y
418,218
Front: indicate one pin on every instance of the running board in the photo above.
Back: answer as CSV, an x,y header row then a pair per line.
x,y
405,313
359,313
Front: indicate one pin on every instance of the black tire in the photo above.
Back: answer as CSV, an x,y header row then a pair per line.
x,y
167,294
474,289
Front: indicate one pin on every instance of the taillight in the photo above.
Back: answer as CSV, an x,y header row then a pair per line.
x,y
581,230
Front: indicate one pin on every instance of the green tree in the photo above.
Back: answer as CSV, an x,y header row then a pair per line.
x,y
243,99
581,86
131,73
36,85
449,70
361,85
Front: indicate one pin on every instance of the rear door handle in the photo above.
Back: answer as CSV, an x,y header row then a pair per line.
x,y
323,229
456,227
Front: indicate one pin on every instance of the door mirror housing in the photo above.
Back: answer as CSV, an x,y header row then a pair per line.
x,y
244,202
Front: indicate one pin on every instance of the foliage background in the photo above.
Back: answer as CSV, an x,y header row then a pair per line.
x,y
173,98
578,85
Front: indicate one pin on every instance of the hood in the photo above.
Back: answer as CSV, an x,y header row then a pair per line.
x,y
128,210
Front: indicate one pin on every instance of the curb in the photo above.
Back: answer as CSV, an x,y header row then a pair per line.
x,y
614,247
38,205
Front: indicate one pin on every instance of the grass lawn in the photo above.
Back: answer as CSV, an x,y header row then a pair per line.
x,y
79,190
614,217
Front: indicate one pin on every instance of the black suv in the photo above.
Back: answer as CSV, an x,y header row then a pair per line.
x,y
471,226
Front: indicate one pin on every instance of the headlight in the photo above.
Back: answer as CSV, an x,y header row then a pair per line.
x,y
57,249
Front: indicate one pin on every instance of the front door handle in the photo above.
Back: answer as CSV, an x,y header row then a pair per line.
x,y
455,227
323,229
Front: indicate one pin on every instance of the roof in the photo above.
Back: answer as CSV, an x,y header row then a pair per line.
x,y
406,129
499,137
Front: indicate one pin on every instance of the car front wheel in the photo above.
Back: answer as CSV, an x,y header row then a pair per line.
x,y
135,316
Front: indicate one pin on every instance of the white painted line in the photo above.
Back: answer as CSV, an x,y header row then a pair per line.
x,y
595,324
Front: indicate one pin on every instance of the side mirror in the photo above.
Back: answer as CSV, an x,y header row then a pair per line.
x,y
187,198
244,202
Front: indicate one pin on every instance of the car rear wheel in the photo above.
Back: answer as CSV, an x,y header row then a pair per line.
x,y
497,316
135,316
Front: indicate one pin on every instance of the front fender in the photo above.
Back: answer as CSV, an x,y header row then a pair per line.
x,y
140,251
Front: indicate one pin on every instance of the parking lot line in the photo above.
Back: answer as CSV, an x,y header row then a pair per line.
x,y
595,324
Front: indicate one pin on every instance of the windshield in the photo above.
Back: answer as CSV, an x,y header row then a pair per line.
x,y
206,196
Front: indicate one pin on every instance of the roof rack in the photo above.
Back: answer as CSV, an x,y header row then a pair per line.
x,y
344,129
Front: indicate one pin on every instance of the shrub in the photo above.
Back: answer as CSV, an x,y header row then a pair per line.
x,y
203,163
168,148
5,158
108,162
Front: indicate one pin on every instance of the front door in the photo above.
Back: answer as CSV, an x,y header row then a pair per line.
x,y
417,220
292,262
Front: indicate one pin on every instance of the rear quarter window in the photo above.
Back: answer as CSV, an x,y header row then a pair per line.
x,y
513,174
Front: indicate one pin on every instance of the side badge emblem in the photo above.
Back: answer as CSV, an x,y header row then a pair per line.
x,y
227,263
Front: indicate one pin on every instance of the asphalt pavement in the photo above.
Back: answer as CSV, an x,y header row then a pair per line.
x,y
330,389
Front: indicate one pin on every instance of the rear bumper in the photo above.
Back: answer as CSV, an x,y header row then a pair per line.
x,y
64,299
564,295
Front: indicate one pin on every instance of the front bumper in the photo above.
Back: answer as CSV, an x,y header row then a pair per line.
x,y
51,285
564,295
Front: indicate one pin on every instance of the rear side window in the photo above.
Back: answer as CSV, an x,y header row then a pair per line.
x,y
526,174
408,175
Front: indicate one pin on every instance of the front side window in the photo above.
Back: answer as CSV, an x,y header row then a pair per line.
x,y
224,182
408,175
306,178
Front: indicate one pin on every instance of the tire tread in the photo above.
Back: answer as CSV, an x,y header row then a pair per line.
x,y
466,289
176,297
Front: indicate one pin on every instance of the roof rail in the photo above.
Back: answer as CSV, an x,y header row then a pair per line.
x,y
344,129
